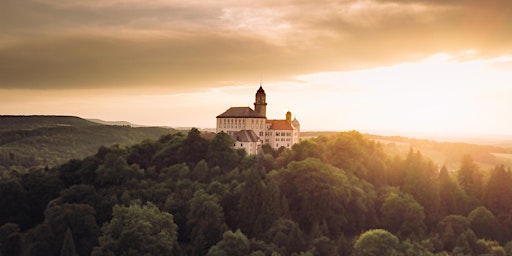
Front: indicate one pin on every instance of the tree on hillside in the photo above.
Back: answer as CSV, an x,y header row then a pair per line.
x,y
376,242
138,230
483,223
221,152
498,195
13,203
453,200
420,181
470,179
454,233
194,148
68,245
320,194
402,215
232,244
206,221
50,235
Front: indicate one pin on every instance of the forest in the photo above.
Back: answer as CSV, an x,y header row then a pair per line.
x,y
28,142
183,194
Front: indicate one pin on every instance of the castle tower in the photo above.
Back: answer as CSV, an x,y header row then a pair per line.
x,y
289,117
260,105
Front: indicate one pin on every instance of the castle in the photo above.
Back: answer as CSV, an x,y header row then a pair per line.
x,y
251,129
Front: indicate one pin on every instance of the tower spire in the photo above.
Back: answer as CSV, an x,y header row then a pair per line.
x,y
260,104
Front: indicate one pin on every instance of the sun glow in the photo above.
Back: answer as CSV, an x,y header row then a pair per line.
x,y
441,94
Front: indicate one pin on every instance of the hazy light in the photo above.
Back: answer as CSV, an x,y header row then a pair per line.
x,y
441,94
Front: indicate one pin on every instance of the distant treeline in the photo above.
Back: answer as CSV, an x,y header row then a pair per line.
x,y
187,195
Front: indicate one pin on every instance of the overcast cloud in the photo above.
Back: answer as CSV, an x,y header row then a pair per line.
x,y
63,44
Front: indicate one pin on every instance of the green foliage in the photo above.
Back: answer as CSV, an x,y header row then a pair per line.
x,y
402,215
51,140
498,194
138,230
221,152
483,223
194,147
376,242
453,200
79,218
232,244
287,236
317,193
206,220
470,178
185,195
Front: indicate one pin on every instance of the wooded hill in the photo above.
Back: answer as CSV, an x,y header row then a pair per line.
x,y
187,195
445,153
34,141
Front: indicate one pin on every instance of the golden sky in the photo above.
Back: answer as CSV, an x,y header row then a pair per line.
x,y
397,65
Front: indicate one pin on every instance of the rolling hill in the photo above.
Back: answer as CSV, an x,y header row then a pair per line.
x,y
27,141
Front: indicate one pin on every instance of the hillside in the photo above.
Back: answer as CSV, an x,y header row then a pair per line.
x,y
443,153
187,195
27,141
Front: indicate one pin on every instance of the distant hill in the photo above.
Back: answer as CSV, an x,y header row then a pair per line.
x,y
27,141
99,121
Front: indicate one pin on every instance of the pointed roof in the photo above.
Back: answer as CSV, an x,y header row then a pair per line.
x,y
295,122
246,136
280,125
260,90
240,112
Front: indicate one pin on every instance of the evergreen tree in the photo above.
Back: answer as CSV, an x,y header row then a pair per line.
x,y
68,245
470,179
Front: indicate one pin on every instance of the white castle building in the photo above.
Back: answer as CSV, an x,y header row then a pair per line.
x,y
251,129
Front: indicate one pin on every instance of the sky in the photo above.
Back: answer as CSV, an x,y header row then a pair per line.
x,y
401,66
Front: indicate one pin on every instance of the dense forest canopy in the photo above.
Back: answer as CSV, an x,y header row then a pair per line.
x,y
183,194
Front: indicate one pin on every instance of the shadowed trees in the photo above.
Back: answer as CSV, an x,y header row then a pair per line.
x,y
402,215
138,230
187,195
376,242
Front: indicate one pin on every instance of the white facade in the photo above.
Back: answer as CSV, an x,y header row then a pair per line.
x,y
251,128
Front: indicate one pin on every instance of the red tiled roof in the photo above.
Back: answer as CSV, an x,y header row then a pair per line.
x,y
280,125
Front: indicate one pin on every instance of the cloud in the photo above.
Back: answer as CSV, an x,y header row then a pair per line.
x,y
188,45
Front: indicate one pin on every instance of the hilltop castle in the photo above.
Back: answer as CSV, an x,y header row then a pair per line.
x,y
250,128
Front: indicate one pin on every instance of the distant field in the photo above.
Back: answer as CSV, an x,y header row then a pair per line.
x,y
504,156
